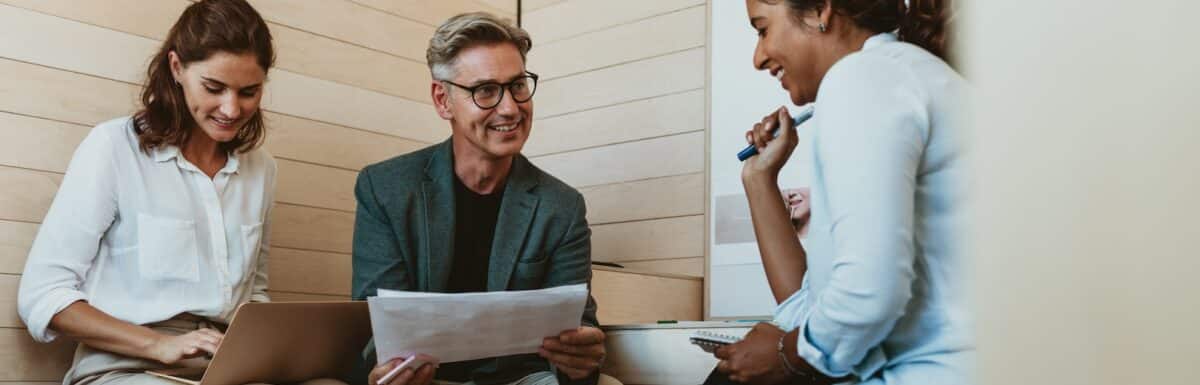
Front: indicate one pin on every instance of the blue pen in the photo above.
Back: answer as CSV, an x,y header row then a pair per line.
x,y
804,115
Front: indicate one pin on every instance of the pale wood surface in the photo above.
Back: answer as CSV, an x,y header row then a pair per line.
x,y
569,18
650,239
693,266
658,76
312,272
671,196
655,36
623,298
15,240
625,122
23,359
646,159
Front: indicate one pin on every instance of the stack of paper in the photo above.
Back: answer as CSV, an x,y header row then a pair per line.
x,y
460,327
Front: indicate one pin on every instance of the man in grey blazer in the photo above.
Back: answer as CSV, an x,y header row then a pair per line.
x,y
473,214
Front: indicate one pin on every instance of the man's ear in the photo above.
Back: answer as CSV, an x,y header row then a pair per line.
x,y
441,99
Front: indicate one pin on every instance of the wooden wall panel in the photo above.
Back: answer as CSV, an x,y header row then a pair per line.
x,y
621,297
673,32
692,267
46,92
8,301
314,185
310,228
23,359
648,240
320,57
150,19
663,75
295,138
28,193
626,122
336,103
672,196
433,13
352,23
652,158
15,240
283,296
313,272
565,19
533,5
38,143
505,6
57,42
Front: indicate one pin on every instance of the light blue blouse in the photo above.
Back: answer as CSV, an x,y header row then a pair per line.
x,y
885,297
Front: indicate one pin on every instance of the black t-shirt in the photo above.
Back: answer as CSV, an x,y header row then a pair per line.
x,y
475,218
474,228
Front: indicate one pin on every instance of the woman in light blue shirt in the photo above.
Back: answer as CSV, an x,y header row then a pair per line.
x,y
876,294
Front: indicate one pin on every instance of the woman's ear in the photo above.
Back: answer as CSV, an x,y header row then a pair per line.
x,y
825,16
176,66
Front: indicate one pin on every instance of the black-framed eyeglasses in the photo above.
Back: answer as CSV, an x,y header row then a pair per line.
x,y
488,95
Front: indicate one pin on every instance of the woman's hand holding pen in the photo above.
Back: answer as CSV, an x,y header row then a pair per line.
x,y
773,152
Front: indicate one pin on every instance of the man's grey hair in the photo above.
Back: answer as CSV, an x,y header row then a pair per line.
x,y
466,30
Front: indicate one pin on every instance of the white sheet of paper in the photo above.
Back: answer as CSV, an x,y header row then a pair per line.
x,y
460,327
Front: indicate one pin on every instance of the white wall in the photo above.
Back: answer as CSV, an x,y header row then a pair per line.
x,y
1086,179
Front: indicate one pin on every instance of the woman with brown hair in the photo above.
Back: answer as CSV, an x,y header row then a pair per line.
x,y
158,231
876,294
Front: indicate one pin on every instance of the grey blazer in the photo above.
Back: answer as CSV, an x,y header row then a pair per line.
x,y
404,238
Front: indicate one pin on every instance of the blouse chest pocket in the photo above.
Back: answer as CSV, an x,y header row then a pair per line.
x,y
167,249
251,245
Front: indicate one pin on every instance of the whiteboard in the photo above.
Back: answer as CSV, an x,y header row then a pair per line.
x,y
741,96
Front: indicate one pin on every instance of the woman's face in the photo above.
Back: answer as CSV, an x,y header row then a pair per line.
x,y
787,47
222,92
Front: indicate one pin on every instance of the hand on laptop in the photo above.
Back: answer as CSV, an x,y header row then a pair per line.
x,y
577,353
407,376
172,349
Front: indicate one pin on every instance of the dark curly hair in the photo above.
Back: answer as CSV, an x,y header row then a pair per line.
x,y
205,28
925,23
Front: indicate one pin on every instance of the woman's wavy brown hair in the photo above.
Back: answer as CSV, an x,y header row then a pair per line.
x,y
205,28
925,23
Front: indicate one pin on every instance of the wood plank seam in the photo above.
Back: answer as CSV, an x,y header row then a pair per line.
x,y
626,22
620,103
608,66
53,68
593,147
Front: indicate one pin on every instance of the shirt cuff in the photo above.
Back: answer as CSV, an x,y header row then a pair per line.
x,y
53,302
826,363
790,313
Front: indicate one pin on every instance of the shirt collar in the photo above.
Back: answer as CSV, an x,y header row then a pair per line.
x,y
231,163
168,152
879,39
165,153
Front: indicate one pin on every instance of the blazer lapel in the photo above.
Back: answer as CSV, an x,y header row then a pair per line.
x,y
437,191
516,217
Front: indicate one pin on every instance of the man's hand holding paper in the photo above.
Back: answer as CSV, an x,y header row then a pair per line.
x,y
577,353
